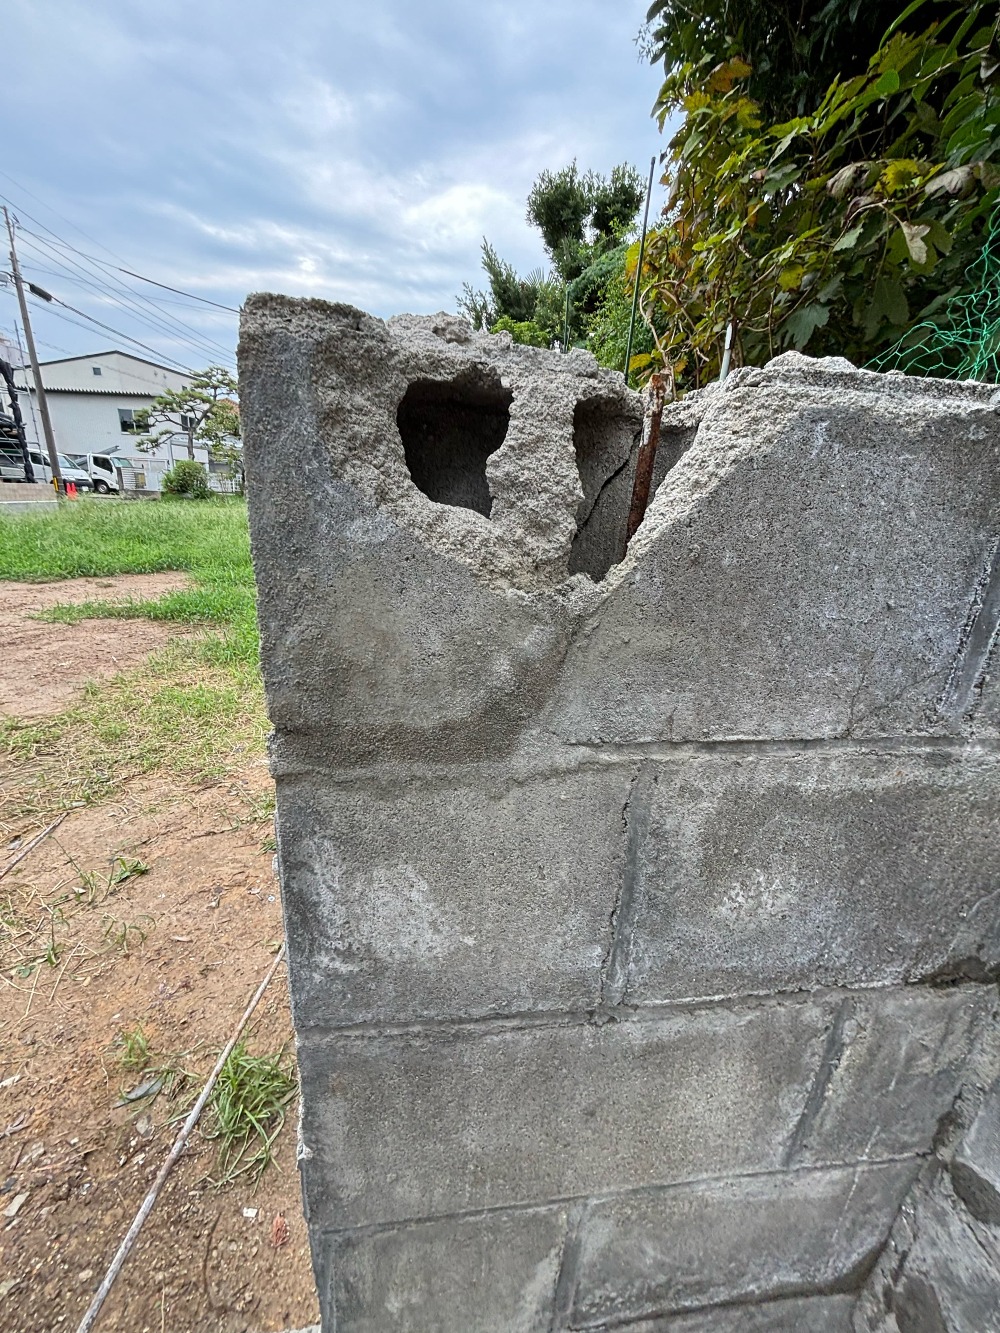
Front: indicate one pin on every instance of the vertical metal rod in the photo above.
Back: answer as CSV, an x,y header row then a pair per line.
x,y
43,402
638,271
565,345
656,397
727,353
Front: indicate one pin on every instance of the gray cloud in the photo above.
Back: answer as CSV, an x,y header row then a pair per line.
x,y
350,151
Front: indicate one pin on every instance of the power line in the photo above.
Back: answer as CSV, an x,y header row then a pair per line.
x,y
163,322
117,332
121,288
233,309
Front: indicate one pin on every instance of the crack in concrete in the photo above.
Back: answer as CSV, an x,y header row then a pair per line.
x,y
617,960
976,642
833,1053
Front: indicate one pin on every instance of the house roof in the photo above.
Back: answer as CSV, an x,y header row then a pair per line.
x,y
112,351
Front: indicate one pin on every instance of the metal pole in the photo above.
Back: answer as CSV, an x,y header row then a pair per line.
x,y
727,353
638,271
566,322
43,403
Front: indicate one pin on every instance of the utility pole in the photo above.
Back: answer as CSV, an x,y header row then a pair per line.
x,y
43,402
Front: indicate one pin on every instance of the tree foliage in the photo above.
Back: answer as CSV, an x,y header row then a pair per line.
x,y
206,412
837,227
583,219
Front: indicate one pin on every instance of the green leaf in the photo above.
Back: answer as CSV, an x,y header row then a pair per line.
x,y
790,278
889,301
850,238
888,83
803,323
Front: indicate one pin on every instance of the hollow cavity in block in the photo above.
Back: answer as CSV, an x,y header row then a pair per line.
x,y
449,429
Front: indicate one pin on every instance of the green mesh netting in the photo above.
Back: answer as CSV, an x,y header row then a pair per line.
x,y
964,343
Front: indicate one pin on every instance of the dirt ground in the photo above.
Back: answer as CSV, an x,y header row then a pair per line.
x,y
43,665
179,949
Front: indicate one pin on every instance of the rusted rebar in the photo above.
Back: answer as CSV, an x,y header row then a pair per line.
x,y
656,396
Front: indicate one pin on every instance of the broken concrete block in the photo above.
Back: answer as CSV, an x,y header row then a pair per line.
x,y
790,555
975,1167
940,1272
615,873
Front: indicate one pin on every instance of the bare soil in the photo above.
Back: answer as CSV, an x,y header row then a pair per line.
x,y
179,949
43,665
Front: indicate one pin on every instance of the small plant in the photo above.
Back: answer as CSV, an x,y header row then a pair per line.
x,y
131,1047
125,869
248,1104
126,935
187,478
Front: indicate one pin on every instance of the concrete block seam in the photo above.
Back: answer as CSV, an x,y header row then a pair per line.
x,y
833,1053
331,1234
652,1012
977,641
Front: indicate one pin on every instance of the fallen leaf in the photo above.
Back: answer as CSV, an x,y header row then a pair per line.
x,y
279,1231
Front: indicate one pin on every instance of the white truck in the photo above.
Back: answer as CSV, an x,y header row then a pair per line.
x,y
101,470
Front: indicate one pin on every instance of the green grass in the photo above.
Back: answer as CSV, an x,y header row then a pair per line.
x,y
95,538
194,710
247,1110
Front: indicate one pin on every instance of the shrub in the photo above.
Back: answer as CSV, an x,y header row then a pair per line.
x,y
188,478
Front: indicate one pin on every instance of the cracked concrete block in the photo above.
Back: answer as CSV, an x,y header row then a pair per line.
x,y
541,941
940,1272
894,1063
807,1314
975,1166
822,543
451,1120
423,901
663,1252
489,1274
788,871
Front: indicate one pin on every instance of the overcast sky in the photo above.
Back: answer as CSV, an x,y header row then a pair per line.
x,y
353,151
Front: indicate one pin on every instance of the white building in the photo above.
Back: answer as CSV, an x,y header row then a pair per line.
x,y
93,401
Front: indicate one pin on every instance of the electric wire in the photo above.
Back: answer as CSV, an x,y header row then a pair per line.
x,y
125,295
161,323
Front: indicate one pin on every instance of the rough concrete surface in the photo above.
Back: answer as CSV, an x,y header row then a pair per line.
x,y
641,905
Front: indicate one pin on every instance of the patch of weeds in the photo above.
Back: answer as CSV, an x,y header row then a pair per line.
x,y
124,936
125,869
131,1048
172,717
269,844
248,1106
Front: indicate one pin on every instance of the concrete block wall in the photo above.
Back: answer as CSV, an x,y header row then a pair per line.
x,y
641,907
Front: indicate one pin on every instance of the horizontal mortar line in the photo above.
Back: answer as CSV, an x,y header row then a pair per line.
x,y
581,755
596,1197
650,1012
783,1294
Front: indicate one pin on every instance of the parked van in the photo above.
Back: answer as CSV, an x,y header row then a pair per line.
x,y
101,470
43,472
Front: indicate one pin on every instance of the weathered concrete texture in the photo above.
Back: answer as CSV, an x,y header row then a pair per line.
x,y
664,1252
478,1273
940,1272
821,542
809,1314
779,872
975,1166
641,906
424,901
